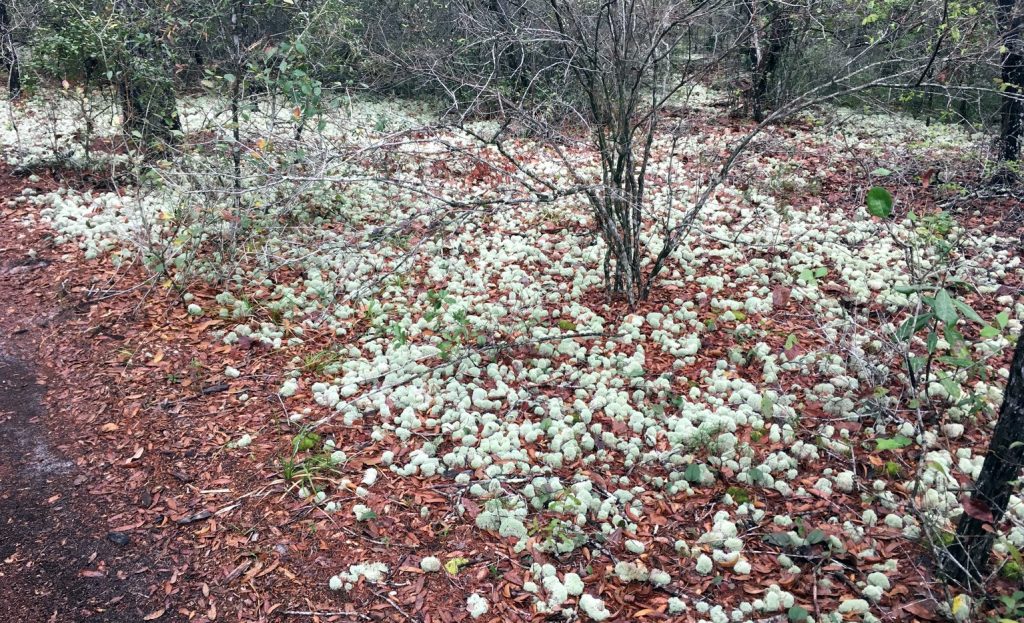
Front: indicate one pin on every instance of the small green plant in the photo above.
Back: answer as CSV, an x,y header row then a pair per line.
x,y
321,361
373,311
398,333
308,471
938,314
1011,606
559,536
453,334
289,469
810,276
1012,571
437,300
798,614
304,441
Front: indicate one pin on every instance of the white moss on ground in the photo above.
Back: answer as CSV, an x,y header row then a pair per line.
x,y
588,392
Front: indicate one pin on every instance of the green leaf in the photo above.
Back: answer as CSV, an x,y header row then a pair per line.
x,y
816,536
305,441
967,311
1002,318
779,538
989,332
913,324
939,467
958,362
767,407
952,387
692,473
797,614
881,172
879,202
1015,554
738,494
944,309
953,336
229,78
896,443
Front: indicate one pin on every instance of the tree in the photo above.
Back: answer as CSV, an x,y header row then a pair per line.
x,y
771,25
139,63
8,53
560,69
569,72
622,59
968,559
118,44
1010,16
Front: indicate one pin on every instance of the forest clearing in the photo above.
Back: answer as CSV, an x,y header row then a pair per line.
x,y
537,324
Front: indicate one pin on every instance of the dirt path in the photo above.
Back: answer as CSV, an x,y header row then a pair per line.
x,y
118,501
62,558
59,563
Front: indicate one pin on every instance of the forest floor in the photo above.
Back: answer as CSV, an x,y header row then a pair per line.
x,y
127,494
65,554
91,529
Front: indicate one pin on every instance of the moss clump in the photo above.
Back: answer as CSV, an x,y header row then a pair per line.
x,y
738,495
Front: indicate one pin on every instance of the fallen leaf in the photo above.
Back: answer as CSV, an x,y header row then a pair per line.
x,y
977,509
922,609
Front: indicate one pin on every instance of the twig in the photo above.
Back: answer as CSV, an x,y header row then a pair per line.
x,y
324,613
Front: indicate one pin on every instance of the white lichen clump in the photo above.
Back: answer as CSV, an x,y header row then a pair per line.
x,y
373,572
594,608
477,606
430,564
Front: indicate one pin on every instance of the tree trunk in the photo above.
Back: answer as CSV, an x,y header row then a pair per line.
x,y
8,55
768,42
969,555
1011,111
236,97
150,111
